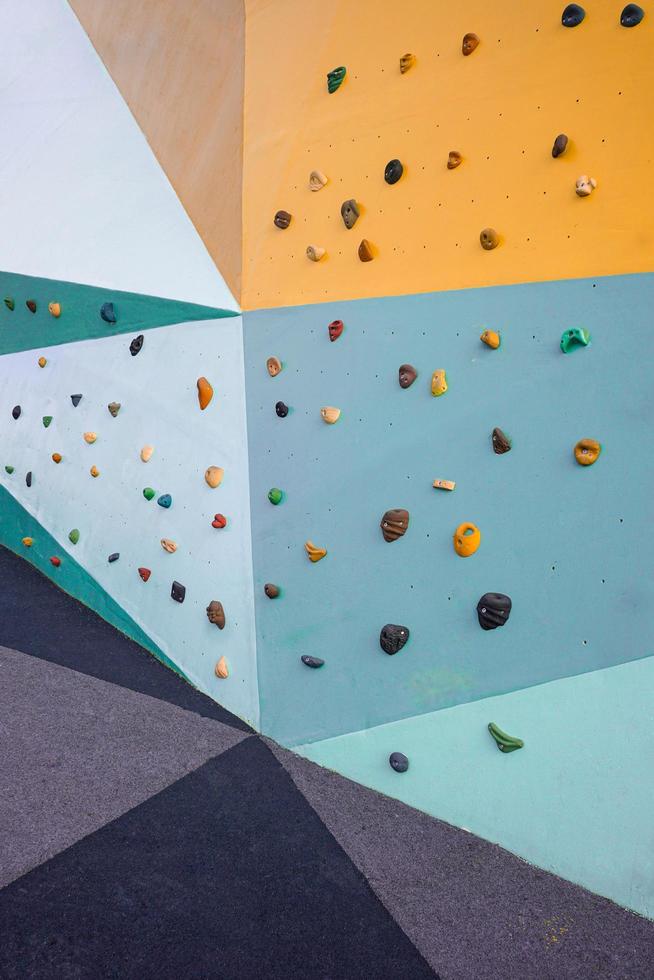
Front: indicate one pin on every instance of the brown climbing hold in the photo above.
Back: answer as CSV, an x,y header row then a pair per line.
x,y
335,329
491,338
489,239
330,414
216,614
94,471
54,309
560,145
407,375
274,366
31,305
314,554
317,180
168,545
145,573
146,453
587,451
501,442
407,61
349,213
90,437
42,362
55,561
394,524
454,159
221,669
469,43
57,457
114,408
444,484
205,392
366,253
282,219
214,476
315,252
28,542
272,591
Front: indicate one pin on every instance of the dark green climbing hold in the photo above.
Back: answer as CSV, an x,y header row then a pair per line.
x,y
9,302
504,742
75,399
275,496
114,557
335,78
573,338
47,419
73,536
9,469
107,313
149,493
165,500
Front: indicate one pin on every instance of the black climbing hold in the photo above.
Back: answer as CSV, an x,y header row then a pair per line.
x,y
398,761
311,661
632,15
9,302
114,557
107,313
75,399
136,345
560,144
493,610
573,15
16,411
31,305
393,171
28,479
178,592
392,638
281,409
501,442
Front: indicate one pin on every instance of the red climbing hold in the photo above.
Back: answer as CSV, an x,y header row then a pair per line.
x,y
145,573
335,329
55,561
219,521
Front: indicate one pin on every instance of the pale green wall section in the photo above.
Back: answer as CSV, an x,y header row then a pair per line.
x,y
578,800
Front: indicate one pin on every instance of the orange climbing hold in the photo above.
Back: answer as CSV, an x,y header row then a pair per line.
x,y
57,457
28,542
90,437
467,539
205,393
314,554
145,573
94,471
491,339
54,309
221,669
42,362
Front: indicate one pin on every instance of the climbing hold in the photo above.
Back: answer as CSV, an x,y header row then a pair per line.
x,y
55,561
467,539
113,557
335,78
493,610
274,366
398,761
47,419
90,437
585,185
317,180
168,546
444,484
73,536
314,662
314,554
469,44
75,399
560,145
454,159
438,383
54,309
205,392
573,15
272,591
392,638
28,542
9,470
394,524
57,457
16,411
114,408
407,375
146,453
281,409
489,239
107,313
330,414
504,742
587,451
221,669
42,362
165,500
213,476
145,573
407,61
632,15
28,478
275,496
574,338
9,302
219,521
31,305
349,213
393,171
315,252
136,345
178,592
335,329
216,614
148,493
94,471
365,251
282,219
491,338
501,442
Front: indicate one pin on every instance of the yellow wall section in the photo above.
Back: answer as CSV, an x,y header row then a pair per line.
x,y
179,66
529,79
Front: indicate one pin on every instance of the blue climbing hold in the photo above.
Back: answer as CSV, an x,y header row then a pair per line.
x,y
165,500
107,313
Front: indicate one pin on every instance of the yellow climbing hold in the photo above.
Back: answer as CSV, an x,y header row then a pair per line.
x,y
438,383
42,362
214,476
90,437
491,339
28,542
94,471
54,309
221,668
467,539
314,554
146,453
444,484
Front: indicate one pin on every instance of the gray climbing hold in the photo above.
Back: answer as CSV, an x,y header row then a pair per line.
x,y
28,479
136,345
398,761
16,411
114,408
312,661
114,557
165,500
75,399
178,592
107,313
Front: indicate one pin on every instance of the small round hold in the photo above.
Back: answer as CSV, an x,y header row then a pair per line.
x,y
16,410
90,437
275,496
282,219
136,345
315,252
272,591
317,180
149,493
407,375
146,453
114,408
281,409
219,521
454,159
574,338
398,761
489,239
213,476
587,451
145,573
55,561
28,479
632,15
366,253
349,213
165,500
9,470
273,366
312,661
467,539
572,15
73,536
493,610
500,441
393,171
335,329
54,309
107,313
94,471
585,185
491,338
113,557
329,414
469,44
27,542
57,457
335,78
392,638
42,362
178,592
31,305
560,145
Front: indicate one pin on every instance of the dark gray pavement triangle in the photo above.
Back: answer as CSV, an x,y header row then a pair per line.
x,y
38,618
76,752
227,874
475,911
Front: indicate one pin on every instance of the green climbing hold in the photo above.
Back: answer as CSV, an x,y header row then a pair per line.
x,y
73,537
9,469
335,78
47,419
576,337
149,493
275,495
504,742
9,302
